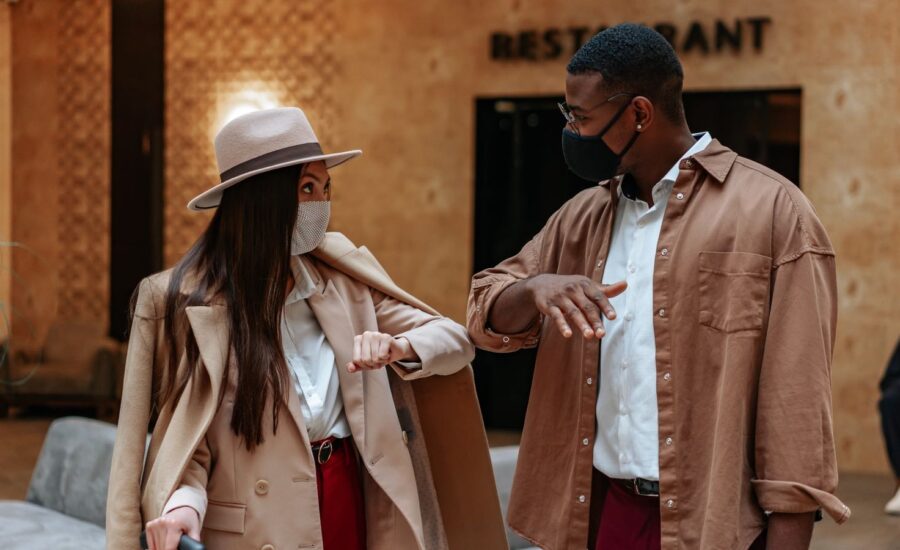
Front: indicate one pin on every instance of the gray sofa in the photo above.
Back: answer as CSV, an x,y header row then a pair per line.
x,y
66,504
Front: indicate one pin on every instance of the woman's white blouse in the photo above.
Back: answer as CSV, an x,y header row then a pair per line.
x,y
310,360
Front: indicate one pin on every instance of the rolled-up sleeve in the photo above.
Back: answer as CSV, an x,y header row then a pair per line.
x,y
796,468
487,287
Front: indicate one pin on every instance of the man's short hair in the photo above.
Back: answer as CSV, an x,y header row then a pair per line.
x,y
637,59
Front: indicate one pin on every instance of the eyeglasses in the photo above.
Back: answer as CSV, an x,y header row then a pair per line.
x,y
570,116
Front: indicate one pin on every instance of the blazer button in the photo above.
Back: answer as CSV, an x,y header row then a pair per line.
x,y
262,488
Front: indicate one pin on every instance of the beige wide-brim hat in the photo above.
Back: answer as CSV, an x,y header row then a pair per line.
x,y
262,141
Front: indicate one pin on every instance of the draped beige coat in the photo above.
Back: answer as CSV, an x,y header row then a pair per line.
x,y
428,481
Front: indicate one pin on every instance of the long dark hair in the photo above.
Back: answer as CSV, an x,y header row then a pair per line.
x,y
242,258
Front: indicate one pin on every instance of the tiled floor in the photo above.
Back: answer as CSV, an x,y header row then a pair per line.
x,y
20,443
868,529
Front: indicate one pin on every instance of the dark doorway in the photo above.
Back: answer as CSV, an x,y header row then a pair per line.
x,y
137,151
761,125
521,179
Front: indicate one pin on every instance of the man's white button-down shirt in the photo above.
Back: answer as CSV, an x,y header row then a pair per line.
x,y
627,444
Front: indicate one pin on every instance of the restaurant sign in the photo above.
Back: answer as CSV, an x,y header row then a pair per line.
x,y
713,38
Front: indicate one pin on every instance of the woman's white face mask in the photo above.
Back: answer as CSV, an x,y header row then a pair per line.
x,y
309,230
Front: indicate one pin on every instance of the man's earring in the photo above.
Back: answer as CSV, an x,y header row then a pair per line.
x,y
640,126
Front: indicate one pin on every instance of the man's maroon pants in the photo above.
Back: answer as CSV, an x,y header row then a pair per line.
x,y
626,521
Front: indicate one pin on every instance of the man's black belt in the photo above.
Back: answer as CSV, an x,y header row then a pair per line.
x,y
639,486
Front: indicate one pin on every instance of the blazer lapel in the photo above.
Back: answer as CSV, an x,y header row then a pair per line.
x,y
329,309
194,412
210,326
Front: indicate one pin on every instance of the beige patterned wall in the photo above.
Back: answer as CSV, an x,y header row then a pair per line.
x,y
399,79
60,173
412,71
83,149
5,162
227,57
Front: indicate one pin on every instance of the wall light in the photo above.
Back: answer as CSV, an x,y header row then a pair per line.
x,y
245,101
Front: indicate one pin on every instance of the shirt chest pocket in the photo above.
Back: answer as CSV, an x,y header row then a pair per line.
x,y
734,290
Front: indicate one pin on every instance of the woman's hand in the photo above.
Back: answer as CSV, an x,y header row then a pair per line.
x,y
164,532
374,350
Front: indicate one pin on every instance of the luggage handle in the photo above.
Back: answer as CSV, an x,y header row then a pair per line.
x,y
186,543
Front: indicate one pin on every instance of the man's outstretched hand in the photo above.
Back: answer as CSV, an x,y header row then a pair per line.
x,y
574,301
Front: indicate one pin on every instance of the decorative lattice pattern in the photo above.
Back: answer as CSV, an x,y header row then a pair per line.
x,y
83,145
229,57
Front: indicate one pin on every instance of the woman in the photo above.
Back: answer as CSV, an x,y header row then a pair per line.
x,y
262,354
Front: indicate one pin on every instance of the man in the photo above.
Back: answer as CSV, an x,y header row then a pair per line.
x,y
703,419
889,407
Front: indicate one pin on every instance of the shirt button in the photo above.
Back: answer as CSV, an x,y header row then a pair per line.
x,y
670,503
581,498
585,441
662,312
267,547
679,196
667,377
669,441
262,487
629,316
664,251
589,381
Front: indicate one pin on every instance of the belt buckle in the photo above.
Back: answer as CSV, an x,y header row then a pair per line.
x,y
636,482
324,452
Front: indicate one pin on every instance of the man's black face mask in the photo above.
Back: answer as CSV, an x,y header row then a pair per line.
x,y
589,157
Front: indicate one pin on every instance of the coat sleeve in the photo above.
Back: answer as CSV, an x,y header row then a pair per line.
x,y
192,491
796,468
441,344
124,522
489,284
